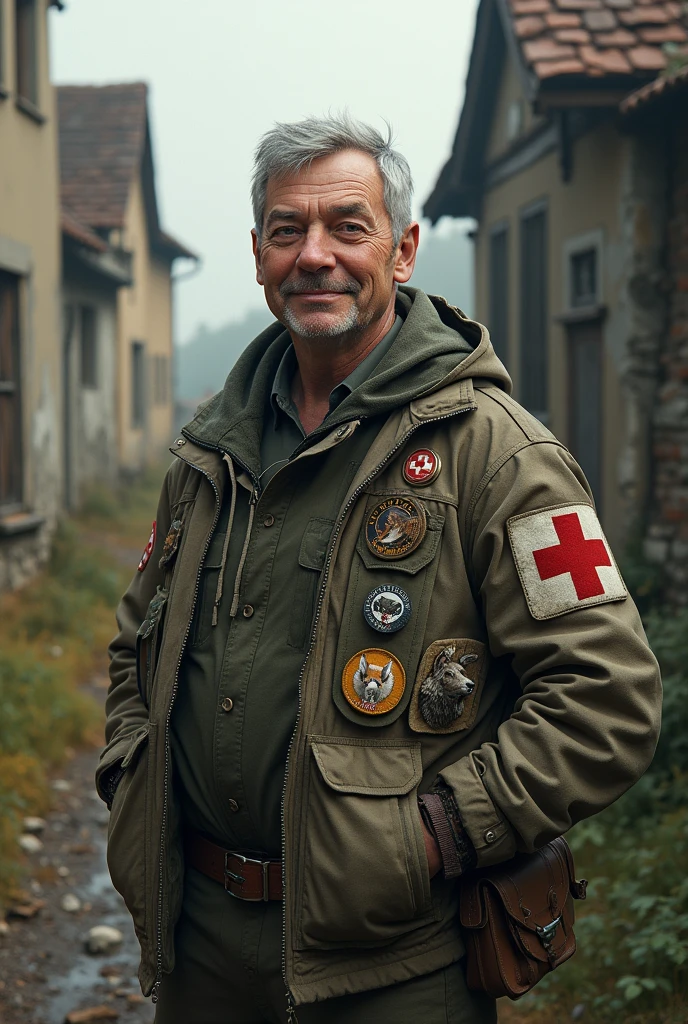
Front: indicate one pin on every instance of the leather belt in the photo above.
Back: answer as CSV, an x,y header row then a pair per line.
x,y
241,876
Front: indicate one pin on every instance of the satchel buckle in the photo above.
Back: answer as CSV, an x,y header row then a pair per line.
x,y
546,933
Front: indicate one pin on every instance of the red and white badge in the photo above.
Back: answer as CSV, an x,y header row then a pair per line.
x,y
422,467
563,560
148,550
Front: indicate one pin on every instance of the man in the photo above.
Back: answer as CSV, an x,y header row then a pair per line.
x,y
377,637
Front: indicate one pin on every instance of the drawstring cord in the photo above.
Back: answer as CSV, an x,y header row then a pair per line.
x,y
225,546
242,561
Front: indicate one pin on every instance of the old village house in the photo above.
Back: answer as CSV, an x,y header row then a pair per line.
x,y
108,186
570,247
30,398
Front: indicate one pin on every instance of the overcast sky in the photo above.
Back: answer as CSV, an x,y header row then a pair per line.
x,y
222,71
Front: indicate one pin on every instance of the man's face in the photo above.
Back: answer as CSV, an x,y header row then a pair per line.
x,y
325,257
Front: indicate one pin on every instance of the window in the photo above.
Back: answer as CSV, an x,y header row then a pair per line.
x,y
161,376
585,400
10,393
499,291
89,347
138,384
534,305
583,283
25,50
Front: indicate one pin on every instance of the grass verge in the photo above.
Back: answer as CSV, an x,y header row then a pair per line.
x,y
53,638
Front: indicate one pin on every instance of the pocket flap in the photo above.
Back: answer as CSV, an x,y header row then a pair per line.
x,y
368,767
316,537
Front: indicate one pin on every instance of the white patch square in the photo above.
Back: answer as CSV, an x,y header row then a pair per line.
x,y
563,560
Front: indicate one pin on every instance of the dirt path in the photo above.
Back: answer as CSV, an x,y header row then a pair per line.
x,y
45,971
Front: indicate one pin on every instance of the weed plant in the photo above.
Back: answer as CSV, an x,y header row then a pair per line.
x,y
53,637
631,966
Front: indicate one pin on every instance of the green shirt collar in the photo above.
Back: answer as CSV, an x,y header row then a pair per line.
x,y
281,399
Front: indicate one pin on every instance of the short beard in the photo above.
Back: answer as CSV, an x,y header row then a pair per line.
x,y
351,321
322,281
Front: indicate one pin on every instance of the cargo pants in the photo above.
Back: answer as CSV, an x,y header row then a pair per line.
x,y
229,971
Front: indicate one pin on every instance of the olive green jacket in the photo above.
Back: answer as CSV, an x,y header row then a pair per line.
x,y
563,717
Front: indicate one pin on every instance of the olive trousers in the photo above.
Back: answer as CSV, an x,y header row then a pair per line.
x,y
229,971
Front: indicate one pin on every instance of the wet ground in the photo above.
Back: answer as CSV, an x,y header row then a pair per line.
x,y
45,971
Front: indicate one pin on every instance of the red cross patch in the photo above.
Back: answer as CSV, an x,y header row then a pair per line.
x,y
563,560
148,550
422,467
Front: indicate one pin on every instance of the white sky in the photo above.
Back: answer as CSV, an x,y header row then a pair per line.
x,y
222,71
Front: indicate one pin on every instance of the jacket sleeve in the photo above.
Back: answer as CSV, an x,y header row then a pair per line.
x,y
126,714
585,726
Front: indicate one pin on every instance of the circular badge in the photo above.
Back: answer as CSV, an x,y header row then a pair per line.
x,y
422,467
395,528
387,608
373,681
148,550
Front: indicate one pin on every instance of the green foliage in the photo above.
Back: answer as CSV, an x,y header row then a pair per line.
x,y
632,931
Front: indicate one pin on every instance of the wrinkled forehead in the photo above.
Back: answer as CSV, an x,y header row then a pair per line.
x,y
344,178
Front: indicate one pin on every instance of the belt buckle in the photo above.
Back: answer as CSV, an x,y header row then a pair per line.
x,y
239,879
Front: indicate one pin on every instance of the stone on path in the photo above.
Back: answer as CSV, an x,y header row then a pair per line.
x,y
103,939
70,903
25,908
92,1013
30,844
34,825
61,785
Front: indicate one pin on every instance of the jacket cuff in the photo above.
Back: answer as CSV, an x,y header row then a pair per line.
x,y
493,838
442,818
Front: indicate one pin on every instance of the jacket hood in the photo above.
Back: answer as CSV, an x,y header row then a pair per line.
x,y
436,346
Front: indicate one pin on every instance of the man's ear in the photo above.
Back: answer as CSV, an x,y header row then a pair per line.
x,y
405,258
256,255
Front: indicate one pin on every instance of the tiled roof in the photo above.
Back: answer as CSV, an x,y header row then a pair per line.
x,y
663,86
102,135
597,38
73,227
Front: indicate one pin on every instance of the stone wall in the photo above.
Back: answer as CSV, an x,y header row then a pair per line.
x,y
667,530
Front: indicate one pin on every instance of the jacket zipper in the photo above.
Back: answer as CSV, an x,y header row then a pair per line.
x,y
291,1011
218,506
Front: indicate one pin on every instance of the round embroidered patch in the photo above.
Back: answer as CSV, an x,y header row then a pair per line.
x,y
148,550
395,528
422,467
387,608
373,681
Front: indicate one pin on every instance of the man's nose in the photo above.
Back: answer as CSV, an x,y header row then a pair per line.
x,y
316,253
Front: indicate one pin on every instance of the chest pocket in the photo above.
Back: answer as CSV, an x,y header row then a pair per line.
x,y
415,575
316,539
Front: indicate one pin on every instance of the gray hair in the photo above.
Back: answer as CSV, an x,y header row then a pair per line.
x,y
287,148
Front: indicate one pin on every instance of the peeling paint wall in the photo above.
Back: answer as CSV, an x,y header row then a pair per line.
x,y
30,250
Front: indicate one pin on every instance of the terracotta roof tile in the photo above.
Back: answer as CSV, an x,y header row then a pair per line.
x,y
623,39
600,21
530,6
572,35
528,26
579,5
619,37
555,19
546,49
611,61
663,34
102,133
638,15
552,68
647,58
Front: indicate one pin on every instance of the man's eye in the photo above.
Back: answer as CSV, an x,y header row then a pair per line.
x,y
351,229
285,231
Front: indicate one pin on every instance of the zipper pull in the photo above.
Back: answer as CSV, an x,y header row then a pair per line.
x,y
291,1012
155,994
255,495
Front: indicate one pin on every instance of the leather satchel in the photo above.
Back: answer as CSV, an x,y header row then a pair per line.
x,y
518,920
